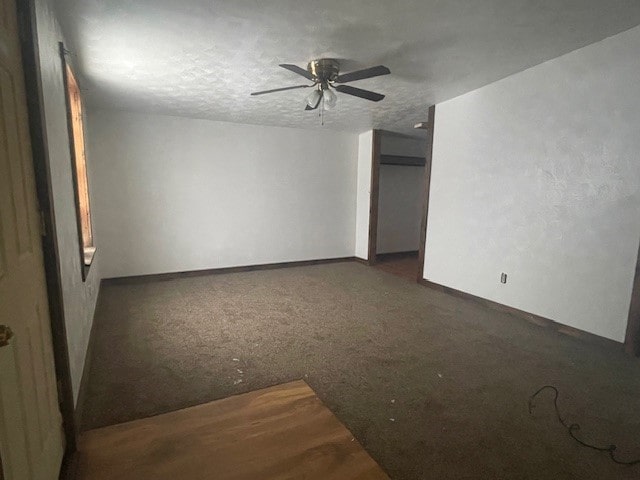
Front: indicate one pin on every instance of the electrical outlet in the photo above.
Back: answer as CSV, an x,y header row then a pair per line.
x,y
503,278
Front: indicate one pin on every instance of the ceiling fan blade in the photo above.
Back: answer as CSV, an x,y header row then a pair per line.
x,y
358,92
362,74
316,106
298,70
281,89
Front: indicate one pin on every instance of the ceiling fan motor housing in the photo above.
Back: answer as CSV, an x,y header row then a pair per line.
x,y
324,69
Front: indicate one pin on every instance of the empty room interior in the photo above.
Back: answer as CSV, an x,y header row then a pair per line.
x,y
328,240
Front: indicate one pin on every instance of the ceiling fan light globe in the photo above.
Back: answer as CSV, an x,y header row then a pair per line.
x,y
330,99
313,98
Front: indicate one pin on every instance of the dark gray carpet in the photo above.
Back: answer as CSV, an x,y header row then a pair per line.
x,y
433,386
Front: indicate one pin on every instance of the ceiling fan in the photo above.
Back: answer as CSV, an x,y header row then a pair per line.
x,y
325,75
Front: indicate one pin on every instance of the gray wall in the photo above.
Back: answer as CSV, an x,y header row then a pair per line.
x,y
400,196
79,297
538,176
178,194
400,208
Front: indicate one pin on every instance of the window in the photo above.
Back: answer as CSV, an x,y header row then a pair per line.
x,y
75,121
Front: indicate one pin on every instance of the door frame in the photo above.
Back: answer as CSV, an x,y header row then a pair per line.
x,y
427,189
374,194
632,337
27,28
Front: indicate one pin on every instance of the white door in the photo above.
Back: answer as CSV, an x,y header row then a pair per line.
x,y
31,435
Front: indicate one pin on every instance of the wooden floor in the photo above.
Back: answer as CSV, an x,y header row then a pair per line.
x,y
282,432
402,264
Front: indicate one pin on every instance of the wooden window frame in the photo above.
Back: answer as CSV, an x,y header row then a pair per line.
x,y
76,128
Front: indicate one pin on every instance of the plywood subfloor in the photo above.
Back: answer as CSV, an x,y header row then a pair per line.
x,y
282,432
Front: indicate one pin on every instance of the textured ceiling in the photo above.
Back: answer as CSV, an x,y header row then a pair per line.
x,y
202,58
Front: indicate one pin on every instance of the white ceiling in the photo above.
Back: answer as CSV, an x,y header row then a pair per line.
x,y
202,58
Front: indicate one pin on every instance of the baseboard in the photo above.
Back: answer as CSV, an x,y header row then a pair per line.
x,y
217,271
82,391
396,255
530,317
361,260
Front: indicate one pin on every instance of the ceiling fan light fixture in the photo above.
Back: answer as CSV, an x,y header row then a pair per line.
x,y
313,98
330,98
326,78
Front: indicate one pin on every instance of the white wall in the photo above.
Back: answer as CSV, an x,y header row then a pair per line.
x,y
363,200
177,194
79,297
538,175
400,196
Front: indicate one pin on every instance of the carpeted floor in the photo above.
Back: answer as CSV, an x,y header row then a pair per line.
x,y
433,386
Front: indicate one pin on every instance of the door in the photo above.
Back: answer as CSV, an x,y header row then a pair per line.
x,y
31,435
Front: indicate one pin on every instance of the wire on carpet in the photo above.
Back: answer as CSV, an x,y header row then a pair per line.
x,y
574,427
